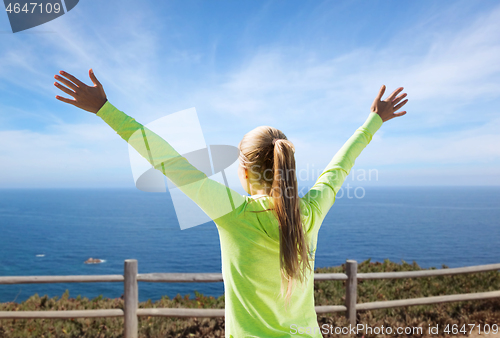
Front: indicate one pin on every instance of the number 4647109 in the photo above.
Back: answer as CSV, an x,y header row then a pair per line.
x,y
486,329
49,8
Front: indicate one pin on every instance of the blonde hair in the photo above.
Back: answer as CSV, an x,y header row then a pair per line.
x,y
263,150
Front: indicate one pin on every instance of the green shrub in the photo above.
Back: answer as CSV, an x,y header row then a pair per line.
x,y
325,293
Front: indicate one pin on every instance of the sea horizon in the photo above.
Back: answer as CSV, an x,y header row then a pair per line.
x,y
52,231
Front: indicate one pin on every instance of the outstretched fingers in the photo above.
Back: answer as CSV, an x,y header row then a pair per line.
x,y
394,93
64,89
380,93
63,99
400,105
89,98
72,78
94,79
399,98
70,84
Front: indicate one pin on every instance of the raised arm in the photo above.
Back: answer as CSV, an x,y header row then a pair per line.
x,y
214,198
321,196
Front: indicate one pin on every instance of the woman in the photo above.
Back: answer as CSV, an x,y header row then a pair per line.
x,y
268,239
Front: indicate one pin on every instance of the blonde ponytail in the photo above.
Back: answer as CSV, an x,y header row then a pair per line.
x,y
294,249
268,149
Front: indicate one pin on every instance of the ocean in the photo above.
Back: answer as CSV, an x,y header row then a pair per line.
x,y
53,231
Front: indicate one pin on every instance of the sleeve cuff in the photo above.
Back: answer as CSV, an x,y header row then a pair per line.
x,y
105,109
373,123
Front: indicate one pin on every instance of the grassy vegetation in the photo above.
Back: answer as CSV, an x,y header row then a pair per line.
x,y
326,293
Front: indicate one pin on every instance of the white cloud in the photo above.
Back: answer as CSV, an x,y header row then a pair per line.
x,y
451,76
458,67
319,103
69,155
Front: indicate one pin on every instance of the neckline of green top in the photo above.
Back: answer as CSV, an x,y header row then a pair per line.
x,y
256,195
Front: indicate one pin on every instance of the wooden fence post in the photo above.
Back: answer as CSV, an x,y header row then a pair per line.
x,y
351,290
131,299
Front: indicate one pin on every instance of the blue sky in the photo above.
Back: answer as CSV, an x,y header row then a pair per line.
x,y
309,68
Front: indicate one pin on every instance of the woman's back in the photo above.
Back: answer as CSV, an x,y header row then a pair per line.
x,y
258,247
250,247
249,235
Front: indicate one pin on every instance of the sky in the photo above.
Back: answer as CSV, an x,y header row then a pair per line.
x,y
309,68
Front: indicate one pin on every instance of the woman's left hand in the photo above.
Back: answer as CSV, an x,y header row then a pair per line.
x,y
86,97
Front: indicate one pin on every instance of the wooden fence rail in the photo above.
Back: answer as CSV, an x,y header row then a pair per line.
x,y
131,276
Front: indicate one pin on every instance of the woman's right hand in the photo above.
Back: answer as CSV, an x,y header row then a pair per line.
x,y
386,108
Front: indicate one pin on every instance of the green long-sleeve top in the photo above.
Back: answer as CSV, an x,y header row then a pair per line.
x,y
250,240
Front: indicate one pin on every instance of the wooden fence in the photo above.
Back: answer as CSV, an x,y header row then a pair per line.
x,y
131,276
